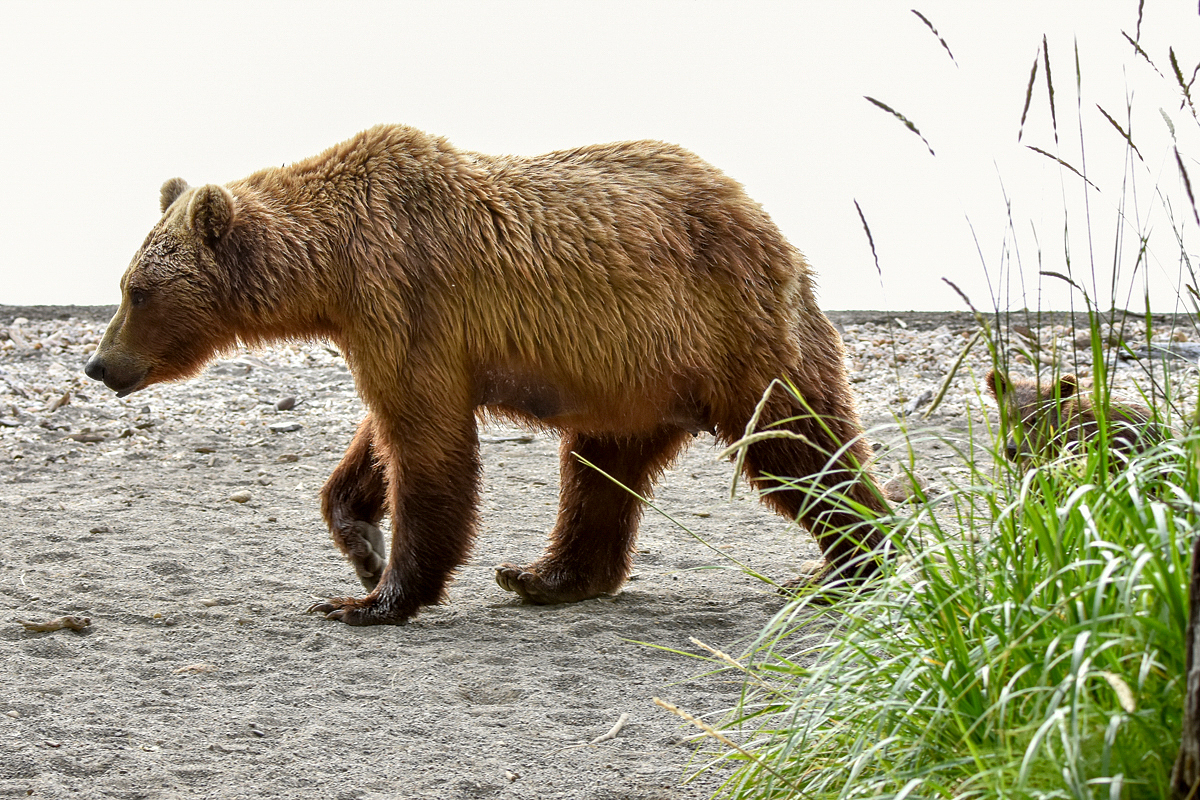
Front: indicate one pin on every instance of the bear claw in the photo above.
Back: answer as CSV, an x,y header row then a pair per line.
x,y
512,578
353,611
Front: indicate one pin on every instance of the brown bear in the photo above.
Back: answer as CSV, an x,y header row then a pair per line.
x,y
627,295
1045,421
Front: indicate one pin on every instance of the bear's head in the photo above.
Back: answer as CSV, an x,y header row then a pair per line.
x,y
1033,415
174,309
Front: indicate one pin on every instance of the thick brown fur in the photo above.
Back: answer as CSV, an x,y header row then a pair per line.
x,y
1047,420
624,294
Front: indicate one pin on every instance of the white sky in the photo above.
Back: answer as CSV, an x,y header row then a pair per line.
x,y
100,102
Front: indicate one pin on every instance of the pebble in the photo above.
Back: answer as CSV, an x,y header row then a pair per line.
x,y
241,496
285,404
917,402
195,669
900,488
284,427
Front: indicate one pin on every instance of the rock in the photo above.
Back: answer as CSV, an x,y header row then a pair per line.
x,y
241,496
1187,351
88,437
900,488
285,403
284,427
17,386
916,403
59,402
18,339
1026,333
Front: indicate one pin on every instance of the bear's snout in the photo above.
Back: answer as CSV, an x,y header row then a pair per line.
x,y
117,374
94,368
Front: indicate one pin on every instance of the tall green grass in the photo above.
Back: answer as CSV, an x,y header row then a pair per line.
x,y
1030,642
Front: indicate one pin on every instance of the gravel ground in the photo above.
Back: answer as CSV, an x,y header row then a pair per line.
x,y
184,523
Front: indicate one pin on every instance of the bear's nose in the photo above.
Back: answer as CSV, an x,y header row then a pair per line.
x,y
94,368
1011,451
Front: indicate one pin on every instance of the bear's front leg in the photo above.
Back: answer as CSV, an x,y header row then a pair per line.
x,y
432,492
353,501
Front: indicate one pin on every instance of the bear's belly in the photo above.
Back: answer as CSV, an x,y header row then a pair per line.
x,y
543,403
525,396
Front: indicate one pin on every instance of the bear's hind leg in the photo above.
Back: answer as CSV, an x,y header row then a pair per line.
x,y
851,543
591,547
353,502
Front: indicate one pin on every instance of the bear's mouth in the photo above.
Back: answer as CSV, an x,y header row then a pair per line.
x,y
125,385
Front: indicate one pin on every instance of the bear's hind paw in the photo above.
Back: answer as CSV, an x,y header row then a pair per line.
x,y
826,583
355,611
533,588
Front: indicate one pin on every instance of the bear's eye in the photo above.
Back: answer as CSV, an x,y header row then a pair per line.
x,y
137,297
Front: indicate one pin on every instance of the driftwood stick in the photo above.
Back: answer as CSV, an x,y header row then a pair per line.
x,y
70,622
604,737
612,733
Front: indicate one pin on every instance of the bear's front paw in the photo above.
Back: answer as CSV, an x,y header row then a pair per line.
x,y
365,611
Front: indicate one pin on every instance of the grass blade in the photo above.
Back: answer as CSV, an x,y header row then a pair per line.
x,y
907,122
1050,87
1185,86
1121,131
932,29
1062,163
1028,97
1187,184
870,239
1137,48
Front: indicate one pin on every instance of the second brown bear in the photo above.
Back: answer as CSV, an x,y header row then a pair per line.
x,y
1047,420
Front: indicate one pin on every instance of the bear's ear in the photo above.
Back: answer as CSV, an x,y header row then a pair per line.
x,y
210,211
1067,385
170,192
997,383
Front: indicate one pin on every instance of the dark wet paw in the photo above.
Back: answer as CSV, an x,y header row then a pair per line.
x,y
522,581
356,611
530,583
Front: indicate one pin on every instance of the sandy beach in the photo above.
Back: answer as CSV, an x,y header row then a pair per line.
x,y
184,523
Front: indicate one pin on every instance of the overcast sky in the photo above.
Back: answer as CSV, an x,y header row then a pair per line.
x,y
103,101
